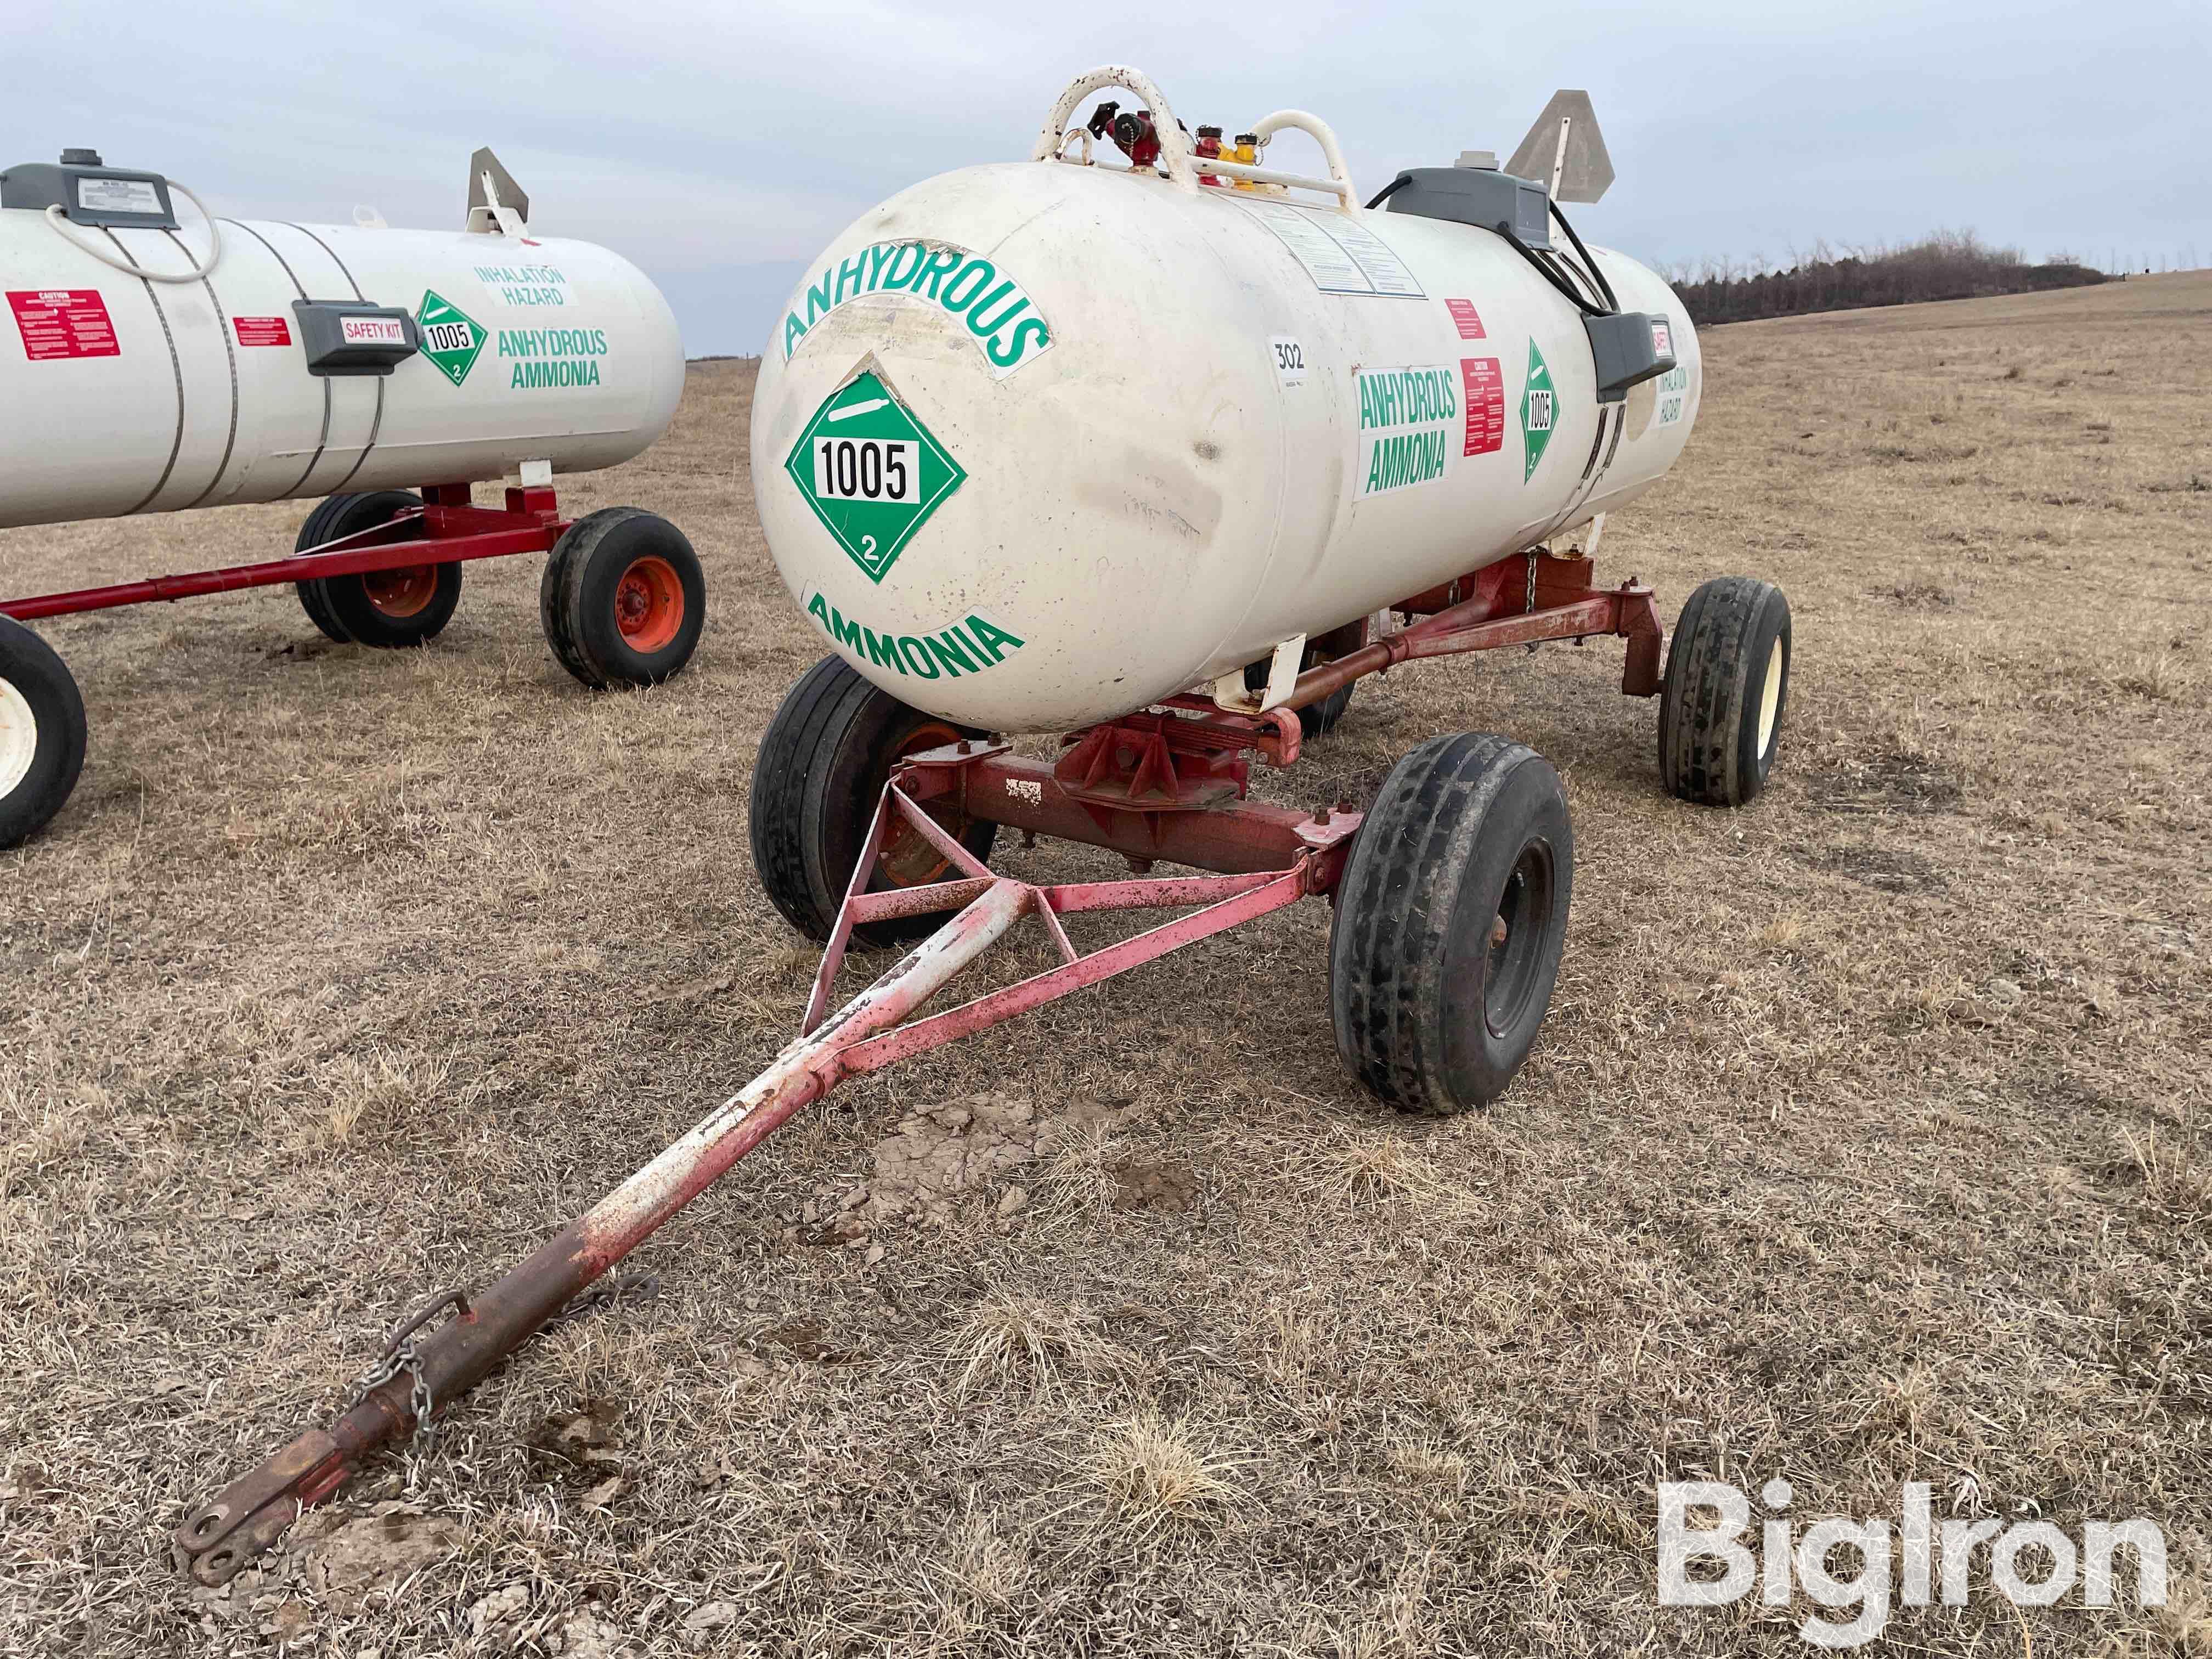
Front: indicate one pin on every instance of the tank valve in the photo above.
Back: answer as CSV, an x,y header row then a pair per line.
x,y
1133,133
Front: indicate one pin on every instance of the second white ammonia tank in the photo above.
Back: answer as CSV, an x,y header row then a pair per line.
x,y
1038,443
119,395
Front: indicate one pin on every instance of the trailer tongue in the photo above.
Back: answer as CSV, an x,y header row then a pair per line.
x,y
1450,890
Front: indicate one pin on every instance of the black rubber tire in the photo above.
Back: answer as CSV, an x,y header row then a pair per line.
x,y
1716,746
29,667
580,599
821,771
345,608
1431,1013
1319,719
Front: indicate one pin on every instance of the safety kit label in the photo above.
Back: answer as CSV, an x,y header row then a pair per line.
x,y
63,322
1482,388
872,473
968,647
451,339
263,331
1408,422
1539,412
371,331
1466,318
999,317
1340,254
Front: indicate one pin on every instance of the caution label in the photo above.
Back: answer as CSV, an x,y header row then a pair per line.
x,y
63,322
1408,424
1482,386
1466,318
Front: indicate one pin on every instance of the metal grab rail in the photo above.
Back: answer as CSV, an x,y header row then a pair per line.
x,y
1175,148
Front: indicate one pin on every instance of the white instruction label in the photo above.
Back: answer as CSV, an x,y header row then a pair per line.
x,y
1290,361
117,196
1341,255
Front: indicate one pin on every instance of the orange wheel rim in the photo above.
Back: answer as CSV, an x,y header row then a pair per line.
x,y
406,591
649,605
908,861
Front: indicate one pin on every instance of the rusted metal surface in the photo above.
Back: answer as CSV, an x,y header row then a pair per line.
x,y
450,531
1517,601
1164,760
1023,794
220,1537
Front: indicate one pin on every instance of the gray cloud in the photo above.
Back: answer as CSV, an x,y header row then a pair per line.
x,y
720,146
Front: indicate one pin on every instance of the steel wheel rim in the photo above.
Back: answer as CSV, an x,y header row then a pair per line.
x,y
406,592
649,605
19,737
1769,700
1523,915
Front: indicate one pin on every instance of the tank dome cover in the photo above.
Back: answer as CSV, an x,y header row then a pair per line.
x,y
90,194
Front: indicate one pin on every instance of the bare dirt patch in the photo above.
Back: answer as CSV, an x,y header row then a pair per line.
x,y
1867,1141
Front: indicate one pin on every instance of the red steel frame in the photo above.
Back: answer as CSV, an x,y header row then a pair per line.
x,y
447,529
1167,784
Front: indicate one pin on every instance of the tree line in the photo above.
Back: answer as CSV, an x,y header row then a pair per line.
x,y
1949,265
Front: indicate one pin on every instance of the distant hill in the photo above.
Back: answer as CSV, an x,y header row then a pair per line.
x,y
1947,265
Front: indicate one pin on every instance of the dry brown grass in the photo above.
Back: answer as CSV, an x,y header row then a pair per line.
x,y
1866,1142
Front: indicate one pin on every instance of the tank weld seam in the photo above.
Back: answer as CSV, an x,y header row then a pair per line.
x,y
323,441
230,356
176,370
376,421
375,425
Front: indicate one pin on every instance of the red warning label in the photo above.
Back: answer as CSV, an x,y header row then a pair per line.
x,y
1466,318
262,330
1485,390
63,322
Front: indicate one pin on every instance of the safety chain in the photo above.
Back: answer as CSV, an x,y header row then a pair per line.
x,y
399,1357
637,1287
419,1402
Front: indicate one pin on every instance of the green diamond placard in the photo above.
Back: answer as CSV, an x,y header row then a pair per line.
x,y
872,473
1539,412
452,338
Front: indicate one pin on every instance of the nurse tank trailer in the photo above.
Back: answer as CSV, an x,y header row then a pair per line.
x,y
1149,455
1164,457
153,363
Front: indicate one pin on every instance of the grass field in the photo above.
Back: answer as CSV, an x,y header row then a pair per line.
x,y
1868,1141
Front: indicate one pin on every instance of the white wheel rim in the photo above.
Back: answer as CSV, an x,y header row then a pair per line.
x,y
19,737
1769,700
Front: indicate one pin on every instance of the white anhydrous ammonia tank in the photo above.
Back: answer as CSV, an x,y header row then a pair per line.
x,y
119,395
1038,443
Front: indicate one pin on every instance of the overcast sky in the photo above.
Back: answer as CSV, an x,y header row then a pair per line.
x,y
721,144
